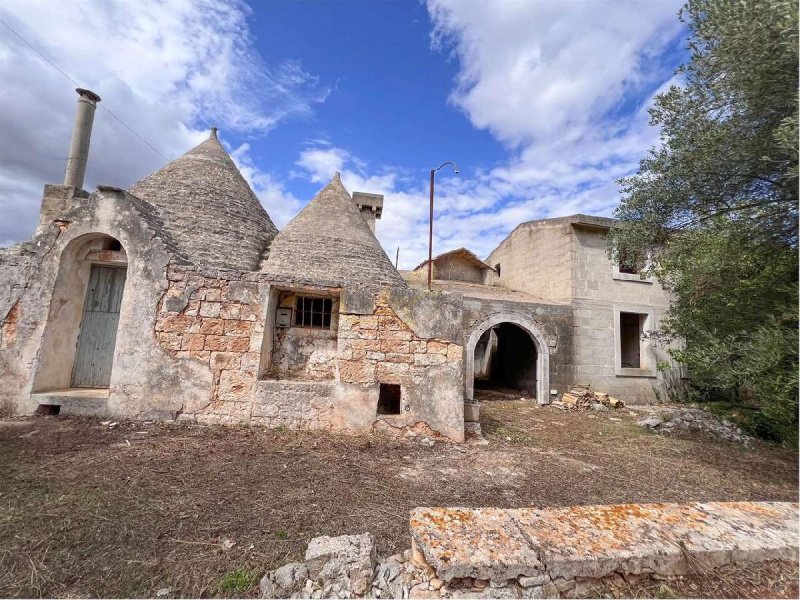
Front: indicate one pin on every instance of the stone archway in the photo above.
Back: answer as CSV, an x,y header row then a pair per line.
x,y
539,341
79,338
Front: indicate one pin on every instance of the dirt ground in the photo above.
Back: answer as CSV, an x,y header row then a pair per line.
x,y
90,510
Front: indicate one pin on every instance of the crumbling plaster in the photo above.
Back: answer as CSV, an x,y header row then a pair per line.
x,y
144,382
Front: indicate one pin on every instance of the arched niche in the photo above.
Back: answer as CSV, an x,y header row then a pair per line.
x,y
539,340
91,266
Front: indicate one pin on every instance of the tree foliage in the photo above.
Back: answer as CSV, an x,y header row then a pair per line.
x,y
715,206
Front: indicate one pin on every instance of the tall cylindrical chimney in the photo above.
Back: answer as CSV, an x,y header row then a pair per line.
x,y
81,135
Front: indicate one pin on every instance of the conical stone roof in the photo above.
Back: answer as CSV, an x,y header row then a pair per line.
x,y
209,209
329,243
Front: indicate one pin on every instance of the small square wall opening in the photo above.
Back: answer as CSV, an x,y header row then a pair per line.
x,y
48,410
389,399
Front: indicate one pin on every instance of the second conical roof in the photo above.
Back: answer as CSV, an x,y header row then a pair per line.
x,y
329,243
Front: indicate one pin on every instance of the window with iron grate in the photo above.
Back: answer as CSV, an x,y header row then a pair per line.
x,y
313,312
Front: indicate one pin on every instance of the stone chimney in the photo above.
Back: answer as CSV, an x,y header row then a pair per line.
x,y
370,205
81,135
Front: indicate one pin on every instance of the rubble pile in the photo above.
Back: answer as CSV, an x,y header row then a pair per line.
x,y
581,397
346,567
686,419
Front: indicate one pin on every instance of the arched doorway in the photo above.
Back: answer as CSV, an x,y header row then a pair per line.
x,y
80,336
508,350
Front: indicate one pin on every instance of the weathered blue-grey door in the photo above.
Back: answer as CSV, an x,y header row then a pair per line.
x,y
99,327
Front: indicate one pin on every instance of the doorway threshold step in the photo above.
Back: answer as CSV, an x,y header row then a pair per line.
x,y
75,401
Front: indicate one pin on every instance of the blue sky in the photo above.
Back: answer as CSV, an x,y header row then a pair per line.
x,y
542,103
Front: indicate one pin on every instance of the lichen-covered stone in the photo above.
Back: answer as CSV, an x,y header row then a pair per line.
x,y
347,561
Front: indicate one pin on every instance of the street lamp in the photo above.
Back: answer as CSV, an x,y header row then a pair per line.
x,y
430,223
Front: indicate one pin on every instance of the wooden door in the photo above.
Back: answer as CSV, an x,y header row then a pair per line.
x,y
98,333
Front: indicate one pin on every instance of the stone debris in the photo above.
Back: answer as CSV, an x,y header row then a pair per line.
x,y
688,419
541,553
581,397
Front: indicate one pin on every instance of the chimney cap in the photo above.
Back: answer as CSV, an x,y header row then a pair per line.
x,y
88,94
213,134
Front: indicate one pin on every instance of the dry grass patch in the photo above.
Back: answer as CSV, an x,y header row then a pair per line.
x,y
203,511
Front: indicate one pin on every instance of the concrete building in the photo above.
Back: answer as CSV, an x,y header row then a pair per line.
x,y
180,299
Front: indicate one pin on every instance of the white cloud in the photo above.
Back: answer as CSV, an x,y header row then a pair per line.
x,y
168,69
547,79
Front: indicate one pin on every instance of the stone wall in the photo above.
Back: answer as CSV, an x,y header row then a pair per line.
x,y
214,318
456,268
535,258
380,347
217,319
599,294
553,321
143,384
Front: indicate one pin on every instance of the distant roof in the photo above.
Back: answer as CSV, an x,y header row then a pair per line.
x,y
479,290
463,253
209,209
330,243
579,220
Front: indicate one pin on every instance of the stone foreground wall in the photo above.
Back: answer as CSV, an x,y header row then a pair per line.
x,y
552,552
567,552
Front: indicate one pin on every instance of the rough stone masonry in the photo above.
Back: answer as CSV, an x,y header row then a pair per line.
x,y
542,553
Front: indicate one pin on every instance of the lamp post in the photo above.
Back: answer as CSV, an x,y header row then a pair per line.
x,y
430,223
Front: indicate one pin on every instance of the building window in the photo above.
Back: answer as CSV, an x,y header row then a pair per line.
x,y
313,312
497,268
631,327
630,264
389,399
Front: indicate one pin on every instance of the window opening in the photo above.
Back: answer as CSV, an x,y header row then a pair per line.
x,y
313,312
389,399
631,325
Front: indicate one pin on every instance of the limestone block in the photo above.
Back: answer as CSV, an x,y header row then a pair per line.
x,y
236,386
395,346
225,360
348,561
238,328
241,291
170,341
238,344
213,295
216,343
230,311
454,352
176,323
426,360
356,371
392,357
193,341
368,322
209,309
212,326
436,347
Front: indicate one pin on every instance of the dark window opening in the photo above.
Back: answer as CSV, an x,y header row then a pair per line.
x,y
48,410
630,263
113,244
389,399
313,312
497,268
630,338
